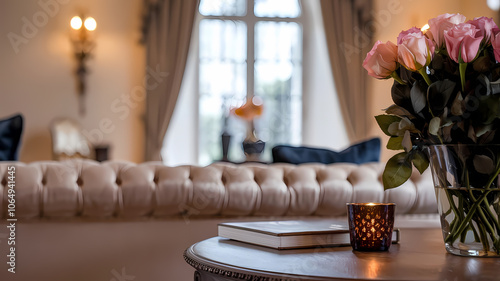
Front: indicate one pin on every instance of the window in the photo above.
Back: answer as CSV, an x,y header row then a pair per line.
x,y
249,48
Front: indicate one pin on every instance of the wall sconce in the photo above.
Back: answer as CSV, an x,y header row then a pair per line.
x,y
83,45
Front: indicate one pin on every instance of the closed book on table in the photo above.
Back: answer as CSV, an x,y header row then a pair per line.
x,y
291,234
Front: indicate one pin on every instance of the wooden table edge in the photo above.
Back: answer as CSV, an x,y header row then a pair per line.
x,y
234,272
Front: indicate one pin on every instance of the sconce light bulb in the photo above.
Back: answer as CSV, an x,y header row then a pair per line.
x,y
76,22
493,4
90,24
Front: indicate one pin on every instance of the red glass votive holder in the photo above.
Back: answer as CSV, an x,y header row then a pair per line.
x,y
371,225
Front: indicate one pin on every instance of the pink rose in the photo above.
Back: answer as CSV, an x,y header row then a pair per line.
x,y
381,61
415,50
495,42
494,32
439,24
462,42
486,27
406,32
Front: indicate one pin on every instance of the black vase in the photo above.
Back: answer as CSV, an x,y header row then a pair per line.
x,y
253,149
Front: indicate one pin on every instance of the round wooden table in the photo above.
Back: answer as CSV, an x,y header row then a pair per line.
x,y
419,256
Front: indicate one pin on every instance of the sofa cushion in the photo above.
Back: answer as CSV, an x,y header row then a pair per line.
x,y
10,136
363,152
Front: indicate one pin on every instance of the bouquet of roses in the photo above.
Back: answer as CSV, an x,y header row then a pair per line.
x,y
446,90
446,97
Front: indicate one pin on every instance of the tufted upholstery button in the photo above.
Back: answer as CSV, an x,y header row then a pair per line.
x,y
137,189
27,188
60,193
118,181
99,191
174,191
242,193
79,181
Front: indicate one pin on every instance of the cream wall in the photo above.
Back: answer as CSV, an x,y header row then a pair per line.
x,y
37,80
393,16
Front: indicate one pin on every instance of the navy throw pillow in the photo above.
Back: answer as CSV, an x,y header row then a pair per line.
x,y
10,137
364,152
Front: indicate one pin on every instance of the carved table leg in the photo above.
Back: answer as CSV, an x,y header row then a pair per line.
x,y
197,276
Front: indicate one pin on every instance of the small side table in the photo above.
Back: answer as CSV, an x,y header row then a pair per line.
x,y
419,256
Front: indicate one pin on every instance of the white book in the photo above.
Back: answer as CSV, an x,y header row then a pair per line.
x,y
291,234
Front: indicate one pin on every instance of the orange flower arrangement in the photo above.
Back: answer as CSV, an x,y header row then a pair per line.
x,y
252,109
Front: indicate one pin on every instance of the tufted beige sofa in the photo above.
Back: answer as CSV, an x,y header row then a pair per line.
x,y
84,220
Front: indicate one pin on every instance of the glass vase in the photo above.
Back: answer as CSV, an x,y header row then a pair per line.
x,y
468,195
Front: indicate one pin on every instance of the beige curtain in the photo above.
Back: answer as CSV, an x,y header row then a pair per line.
x,y
166,34
349,35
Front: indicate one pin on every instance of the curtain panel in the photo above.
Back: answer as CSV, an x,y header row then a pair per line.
x,y
349,38
167,29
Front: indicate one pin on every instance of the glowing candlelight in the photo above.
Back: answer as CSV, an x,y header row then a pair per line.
x,y
371,225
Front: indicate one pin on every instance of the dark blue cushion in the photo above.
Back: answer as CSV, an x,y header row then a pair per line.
x,y
367,151
10,137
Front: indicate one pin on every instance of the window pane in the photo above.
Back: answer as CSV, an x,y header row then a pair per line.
x,y
278,72
278,41
223,40
223,7
223,83
277,8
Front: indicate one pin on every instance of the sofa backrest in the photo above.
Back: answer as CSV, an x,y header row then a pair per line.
x,y
85,188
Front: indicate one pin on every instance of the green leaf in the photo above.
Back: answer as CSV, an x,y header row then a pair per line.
x,y
483,164
488,109
394,143
418,95
434,125
438,61
399,111
420,160
495,87
481,130
401,95
457,107
397,171
439,93
482,63
384,121
407,76
487,137
407,143
484,85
